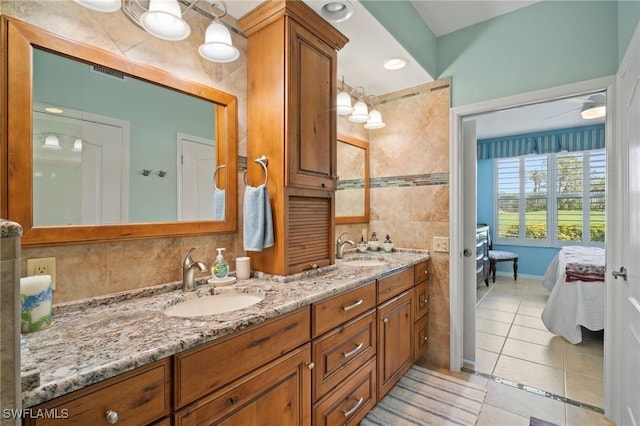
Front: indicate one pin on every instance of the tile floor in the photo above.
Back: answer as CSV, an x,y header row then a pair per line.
x,y
513,343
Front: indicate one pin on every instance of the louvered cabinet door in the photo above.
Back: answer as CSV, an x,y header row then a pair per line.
x,y
309,231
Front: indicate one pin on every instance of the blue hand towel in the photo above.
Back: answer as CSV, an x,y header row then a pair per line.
x,y
218,204
258,219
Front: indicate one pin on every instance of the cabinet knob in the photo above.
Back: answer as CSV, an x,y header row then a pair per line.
x,y
112,417
385,320
310,365
425,338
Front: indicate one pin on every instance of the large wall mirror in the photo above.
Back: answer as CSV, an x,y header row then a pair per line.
x,y
101,148
352,196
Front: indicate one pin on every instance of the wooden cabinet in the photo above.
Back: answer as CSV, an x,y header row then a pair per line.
x,y
277,394
208,367
333,311
292,85
351,401
395,340
421,309
395,284
139,397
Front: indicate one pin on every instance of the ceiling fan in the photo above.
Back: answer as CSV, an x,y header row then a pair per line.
x,y
592,106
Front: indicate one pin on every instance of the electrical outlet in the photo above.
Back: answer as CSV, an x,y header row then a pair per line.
x,y
441,244
43,266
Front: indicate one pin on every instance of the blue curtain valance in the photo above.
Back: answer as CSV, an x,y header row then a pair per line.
x,y
574,139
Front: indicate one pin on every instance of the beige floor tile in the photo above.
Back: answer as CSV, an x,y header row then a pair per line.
x,y
583,388
541,354
578,362
492,327
492,314
494,416
534,335
489,342
500,306
577,416
530,373
502,298
485,361
589,347
524,403
532,311
538,300
528,321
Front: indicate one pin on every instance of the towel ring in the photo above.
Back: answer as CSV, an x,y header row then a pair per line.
x,y
215,174
264,162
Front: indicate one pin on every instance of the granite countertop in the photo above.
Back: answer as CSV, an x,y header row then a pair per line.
x,y
95,339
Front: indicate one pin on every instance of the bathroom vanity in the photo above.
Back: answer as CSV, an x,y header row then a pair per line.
x,y
322,347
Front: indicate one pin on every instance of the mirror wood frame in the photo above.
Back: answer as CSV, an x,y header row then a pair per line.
x,y
19,40
358,143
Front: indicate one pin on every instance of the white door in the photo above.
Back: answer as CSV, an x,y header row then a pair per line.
x,y
629,300
469,208
196,166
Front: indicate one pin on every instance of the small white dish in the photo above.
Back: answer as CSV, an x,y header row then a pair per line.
x,y
222,281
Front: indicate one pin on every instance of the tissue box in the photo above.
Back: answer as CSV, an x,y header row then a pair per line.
x,y
35,303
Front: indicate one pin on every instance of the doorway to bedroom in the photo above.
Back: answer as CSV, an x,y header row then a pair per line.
x,y
540,186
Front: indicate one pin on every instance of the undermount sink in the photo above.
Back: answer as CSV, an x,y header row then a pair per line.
x,y
211,305
365,262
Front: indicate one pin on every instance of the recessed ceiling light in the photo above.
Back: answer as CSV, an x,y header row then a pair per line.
x,y
337,11
395,63
54,110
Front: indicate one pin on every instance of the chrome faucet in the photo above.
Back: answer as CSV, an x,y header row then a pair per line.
x,y
188,271
340,245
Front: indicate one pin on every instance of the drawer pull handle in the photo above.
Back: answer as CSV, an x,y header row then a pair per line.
x,y
426,338
353,409
112,417
352,352
355,305
310,365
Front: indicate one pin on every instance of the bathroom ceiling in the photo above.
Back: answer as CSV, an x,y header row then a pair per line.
x,y
360,62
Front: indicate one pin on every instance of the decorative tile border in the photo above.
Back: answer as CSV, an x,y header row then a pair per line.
x,y
414,180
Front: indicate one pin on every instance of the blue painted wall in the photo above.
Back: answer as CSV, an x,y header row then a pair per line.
x,y
531,260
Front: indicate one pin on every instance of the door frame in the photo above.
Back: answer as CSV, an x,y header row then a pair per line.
x,y
456,284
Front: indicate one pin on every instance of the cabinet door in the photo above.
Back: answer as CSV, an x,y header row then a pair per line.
x,y
395,341
278,394
421,300
421,337
311,136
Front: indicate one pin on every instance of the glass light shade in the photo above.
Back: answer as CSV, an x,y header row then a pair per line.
x,y
52,142
106,6
164,20
217,46
343,104
375,120
593,111
77,145
360,113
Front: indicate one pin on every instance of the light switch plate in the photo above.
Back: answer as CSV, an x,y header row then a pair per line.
x,y
441,244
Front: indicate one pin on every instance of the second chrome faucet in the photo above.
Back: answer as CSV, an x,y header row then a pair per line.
x,y
340,245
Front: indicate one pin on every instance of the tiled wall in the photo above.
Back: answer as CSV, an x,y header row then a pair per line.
x,y
86,270
410,189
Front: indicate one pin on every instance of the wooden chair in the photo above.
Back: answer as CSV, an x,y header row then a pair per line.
x,y
496,256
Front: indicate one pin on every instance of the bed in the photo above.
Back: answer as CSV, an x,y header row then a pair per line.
x,y
575,279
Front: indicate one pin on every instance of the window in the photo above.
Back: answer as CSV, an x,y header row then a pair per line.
x,y
551,199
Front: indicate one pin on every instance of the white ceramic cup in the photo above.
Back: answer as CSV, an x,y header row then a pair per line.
x,y
243,268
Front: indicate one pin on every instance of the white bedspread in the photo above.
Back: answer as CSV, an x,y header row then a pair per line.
x,y
572,304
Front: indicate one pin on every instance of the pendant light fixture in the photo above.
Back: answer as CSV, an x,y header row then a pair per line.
x,y
217,46
164,19
343,101
360,112
52,143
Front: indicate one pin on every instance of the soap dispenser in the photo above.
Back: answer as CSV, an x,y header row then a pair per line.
x,y
388,245
220,269
374,244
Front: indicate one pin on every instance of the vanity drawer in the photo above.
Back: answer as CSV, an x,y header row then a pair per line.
x,y
208,367
421,300
351,401
421,337
342,351
329,313
395,284
138,397
421,271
